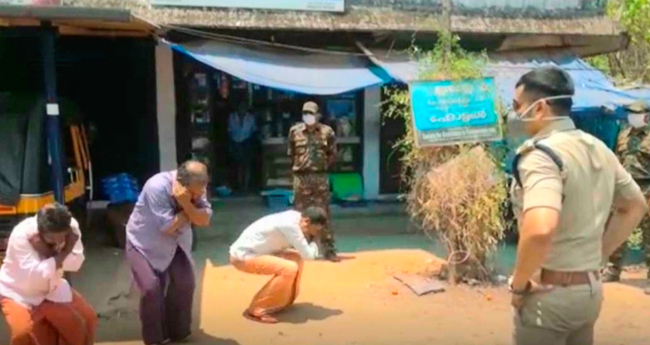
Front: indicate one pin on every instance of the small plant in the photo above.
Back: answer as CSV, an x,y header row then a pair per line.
x,y
455,193
636,240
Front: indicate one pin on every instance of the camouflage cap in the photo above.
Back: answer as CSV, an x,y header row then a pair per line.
x,y
310,107
638,107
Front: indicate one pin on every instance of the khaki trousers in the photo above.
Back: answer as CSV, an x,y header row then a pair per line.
x,y
281,291
562,316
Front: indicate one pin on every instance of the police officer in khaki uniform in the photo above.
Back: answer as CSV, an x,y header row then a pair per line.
x,y
566,182
312,148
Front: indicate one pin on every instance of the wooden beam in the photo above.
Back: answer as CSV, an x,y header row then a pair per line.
x,y
19,22
78,31
105,25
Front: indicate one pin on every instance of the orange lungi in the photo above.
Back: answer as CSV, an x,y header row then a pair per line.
x,y
281,291
51,323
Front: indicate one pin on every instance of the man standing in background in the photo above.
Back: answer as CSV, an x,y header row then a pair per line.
x,y
312,148
633,151
159,243
241,131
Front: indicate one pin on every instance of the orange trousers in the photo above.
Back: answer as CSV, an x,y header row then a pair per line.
x,y
281,291
51,323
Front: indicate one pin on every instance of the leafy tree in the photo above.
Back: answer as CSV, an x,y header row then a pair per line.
x,y
633,64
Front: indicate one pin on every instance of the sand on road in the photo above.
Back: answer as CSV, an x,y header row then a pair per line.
x,y
358,302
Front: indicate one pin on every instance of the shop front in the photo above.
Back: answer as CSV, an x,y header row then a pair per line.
x,y
220,86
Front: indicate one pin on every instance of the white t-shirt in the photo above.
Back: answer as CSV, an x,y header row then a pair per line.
x,y
26,278
273,234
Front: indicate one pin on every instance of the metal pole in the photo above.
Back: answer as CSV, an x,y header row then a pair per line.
x,y
53,127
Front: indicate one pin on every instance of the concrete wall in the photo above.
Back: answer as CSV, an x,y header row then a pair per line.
x,y
166,107
371,142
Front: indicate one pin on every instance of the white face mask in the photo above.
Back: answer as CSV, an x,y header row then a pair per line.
x,y
637,120
524,114
515,122
309,119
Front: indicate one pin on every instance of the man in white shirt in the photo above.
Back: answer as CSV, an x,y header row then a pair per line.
x,y
39,305
276,245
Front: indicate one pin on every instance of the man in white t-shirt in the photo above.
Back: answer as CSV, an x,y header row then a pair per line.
x,y
38,303
276,245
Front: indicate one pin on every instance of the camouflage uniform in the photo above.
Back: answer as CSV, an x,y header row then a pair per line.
x,y
312,151
633,150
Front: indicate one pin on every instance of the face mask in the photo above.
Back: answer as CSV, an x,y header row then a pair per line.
x,y
516,123
516,127
309,119
637,120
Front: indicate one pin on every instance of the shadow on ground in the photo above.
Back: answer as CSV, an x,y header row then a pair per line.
x,y
304,312
202,338
124,325
639,283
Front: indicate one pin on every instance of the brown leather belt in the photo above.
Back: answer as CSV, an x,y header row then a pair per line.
x,y
567,278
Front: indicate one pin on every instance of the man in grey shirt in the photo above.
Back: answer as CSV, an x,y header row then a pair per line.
x,y
159,244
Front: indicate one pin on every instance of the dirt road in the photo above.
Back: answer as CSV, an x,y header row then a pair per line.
x,y
357,302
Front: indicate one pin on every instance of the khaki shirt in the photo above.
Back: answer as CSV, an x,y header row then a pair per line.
x,y
583,192
311,150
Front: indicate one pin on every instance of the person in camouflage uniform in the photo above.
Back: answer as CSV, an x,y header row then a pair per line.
x,y
312,148
633,150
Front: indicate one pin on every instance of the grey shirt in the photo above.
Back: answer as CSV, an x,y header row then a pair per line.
x,y
153,213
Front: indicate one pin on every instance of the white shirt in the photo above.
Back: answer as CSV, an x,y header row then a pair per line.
x,y
273,234
29,280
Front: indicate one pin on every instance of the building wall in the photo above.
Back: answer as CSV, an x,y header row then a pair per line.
x,y
371,142
166,107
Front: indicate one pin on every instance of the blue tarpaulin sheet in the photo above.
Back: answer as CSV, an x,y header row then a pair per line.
x,y
285,69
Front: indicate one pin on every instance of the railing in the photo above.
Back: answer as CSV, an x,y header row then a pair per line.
x,y
508,8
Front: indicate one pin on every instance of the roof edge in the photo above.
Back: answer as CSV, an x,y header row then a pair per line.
x,y
356,18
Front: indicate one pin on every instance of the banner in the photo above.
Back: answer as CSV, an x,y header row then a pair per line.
x,y
287,5
452,112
